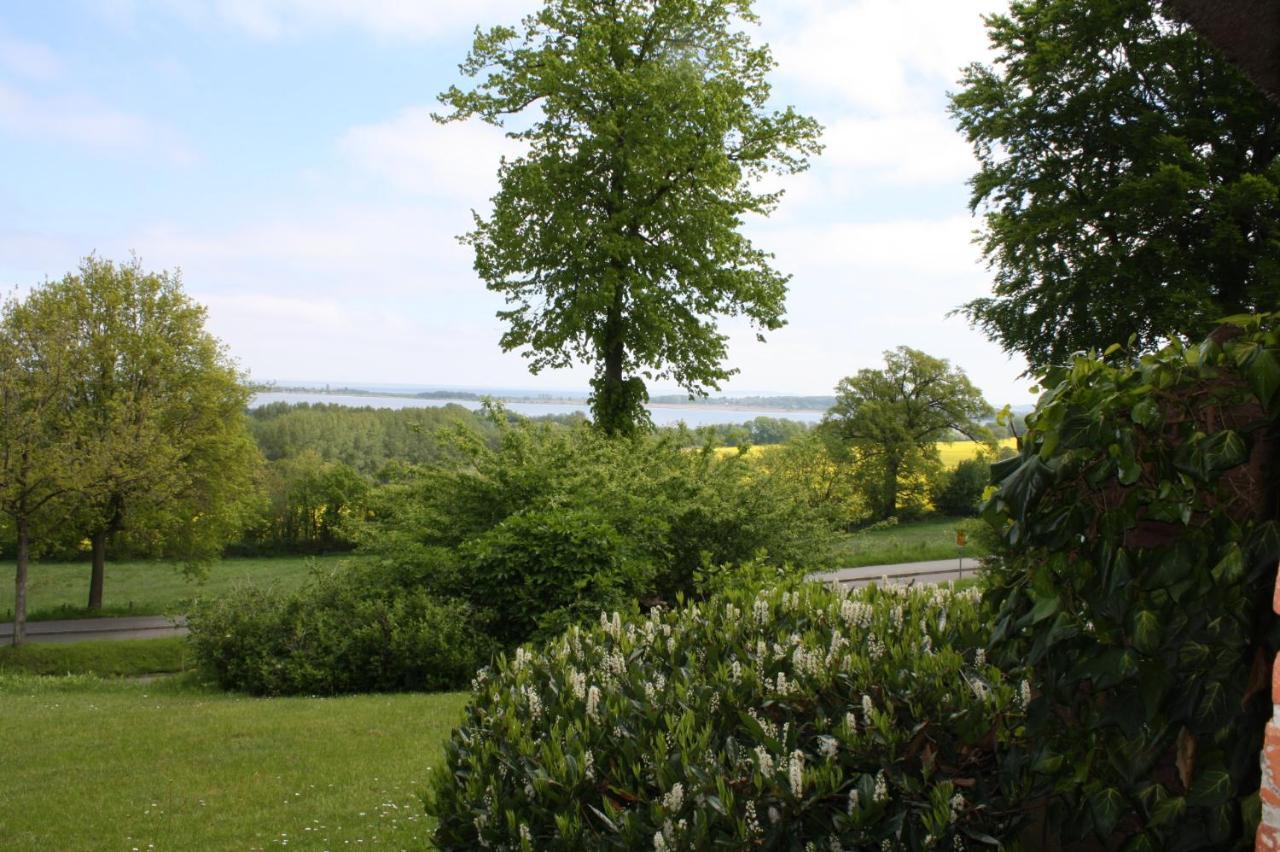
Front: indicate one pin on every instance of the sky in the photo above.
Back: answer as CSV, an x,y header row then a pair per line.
x,y
281,154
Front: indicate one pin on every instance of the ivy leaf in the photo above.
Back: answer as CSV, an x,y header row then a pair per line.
x,y
1146,413
1224,450
1231,567
1263,373
1146,631
1211,789
1107,806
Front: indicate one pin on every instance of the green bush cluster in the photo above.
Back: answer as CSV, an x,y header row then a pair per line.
x,y
345,631
1140,538
555,524
959,492
794,718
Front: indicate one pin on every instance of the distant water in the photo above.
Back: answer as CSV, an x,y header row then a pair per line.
x,y
663,415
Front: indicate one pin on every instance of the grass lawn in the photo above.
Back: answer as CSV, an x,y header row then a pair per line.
x,y
101,764
109,658
917,541
60,590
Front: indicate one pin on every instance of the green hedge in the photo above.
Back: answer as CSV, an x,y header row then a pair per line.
x,y
1140,538
345,631
793,717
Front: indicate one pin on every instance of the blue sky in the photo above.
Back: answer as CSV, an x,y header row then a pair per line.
x,y
280,153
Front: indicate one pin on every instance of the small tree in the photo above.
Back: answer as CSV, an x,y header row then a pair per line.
x,y
888,421
616,238
38,426
164,452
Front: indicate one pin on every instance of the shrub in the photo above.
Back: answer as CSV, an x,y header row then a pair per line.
x,y
1140,538
959,491
557,523
343,632
788,717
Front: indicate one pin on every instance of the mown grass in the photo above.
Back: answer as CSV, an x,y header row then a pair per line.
x,y
61,590
105,658
100,764
916,541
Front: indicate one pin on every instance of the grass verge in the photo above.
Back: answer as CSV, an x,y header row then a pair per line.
x,y
60,590
105,658
917,541
100,764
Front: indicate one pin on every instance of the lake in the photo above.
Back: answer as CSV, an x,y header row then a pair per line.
x,y
663,415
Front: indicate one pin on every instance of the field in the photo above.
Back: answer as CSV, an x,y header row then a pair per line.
x,y
100,764
60,590
951,452
919,541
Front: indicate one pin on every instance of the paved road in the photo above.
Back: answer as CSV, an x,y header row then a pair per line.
x,y
85,629
920,572
155,626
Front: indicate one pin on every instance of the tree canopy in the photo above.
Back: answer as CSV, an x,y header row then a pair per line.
x,y
616,236
889,420
39,462
1129,179
162,453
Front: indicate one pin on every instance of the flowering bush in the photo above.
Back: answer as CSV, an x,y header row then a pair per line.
x,y
794,718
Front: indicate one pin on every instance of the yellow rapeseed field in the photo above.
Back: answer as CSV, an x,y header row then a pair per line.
x,y
951,452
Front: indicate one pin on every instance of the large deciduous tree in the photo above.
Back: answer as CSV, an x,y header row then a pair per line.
x,y
169,458
616,236
890,420
1129,179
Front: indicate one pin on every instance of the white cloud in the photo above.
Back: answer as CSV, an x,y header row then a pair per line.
x,y
275,19
411,152
84,122
912,148
885,56
362,252
923,247
28,59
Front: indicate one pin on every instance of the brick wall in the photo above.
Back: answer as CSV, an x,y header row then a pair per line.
x,y
1269,830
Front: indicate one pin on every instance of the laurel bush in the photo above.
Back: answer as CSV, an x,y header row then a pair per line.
x,y
794,718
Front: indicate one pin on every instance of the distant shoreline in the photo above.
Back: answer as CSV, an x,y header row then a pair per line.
x,y
749,404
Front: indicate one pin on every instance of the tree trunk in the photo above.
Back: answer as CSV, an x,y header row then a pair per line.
x,y
891,489
98,575
610,407
20,585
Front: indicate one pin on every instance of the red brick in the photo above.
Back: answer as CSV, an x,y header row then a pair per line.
x,y
1271,766
1268,838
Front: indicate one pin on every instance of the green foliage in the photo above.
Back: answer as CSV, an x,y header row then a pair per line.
x,y
887,423
615,237
959,491
757,431
1130,179
1139,525
346,631
822,475
311,503
555,524
790,717
366,439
